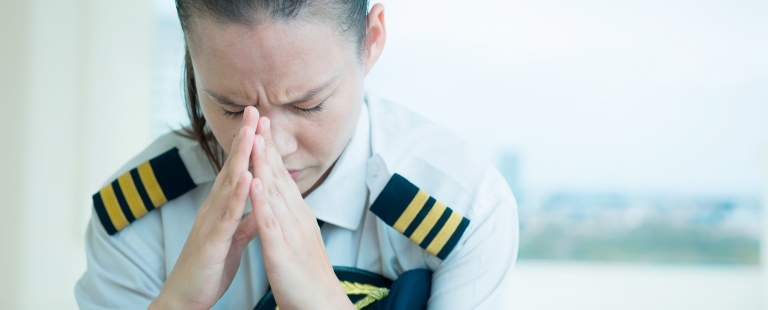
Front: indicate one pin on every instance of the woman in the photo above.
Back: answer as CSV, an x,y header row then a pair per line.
x,y
283,138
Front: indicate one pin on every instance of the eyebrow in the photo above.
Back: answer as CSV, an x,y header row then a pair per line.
x,y
301,99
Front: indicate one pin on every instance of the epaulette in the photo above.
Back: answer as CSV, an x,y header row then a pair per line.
x,y
143,189
423,219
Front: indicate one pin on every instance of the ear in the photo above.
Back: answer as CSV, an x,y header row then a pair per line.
x,y
376,37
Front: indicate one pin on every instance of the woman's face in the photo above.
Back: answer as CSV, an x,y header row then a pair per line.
x,y
303,75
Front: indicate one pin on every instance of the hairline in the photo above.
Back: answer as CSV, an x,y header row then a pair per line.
x,y
315,10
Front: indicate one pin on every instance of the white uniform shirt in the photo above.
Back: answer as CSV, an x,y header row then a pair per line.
x,y
127,270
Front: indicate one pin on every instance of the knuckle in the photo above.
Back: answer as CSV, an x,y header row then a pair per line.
x,y
229,180
286,174
270,224
262,203
272,191
239,237
279,172
229,215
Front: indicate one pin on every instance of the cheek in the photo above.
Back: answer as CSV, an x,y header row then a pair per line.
x,y
319,141
326,138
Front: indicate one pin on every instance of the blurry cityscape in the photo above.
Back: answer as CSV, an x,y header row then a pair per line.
x,y
644,227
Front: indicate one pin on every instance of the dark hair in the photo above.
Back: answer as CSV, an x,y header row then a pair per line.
x,y
349,15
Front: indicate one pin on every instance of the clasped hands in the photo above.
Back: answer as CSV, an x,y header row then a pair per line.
x,y
297,265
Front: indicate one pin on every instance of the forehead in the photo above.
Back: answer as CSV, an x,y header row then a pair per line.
x,y
277,56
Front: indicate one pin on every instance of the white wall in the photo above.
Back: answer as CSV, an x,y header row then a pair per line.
x,y
12,113
75,78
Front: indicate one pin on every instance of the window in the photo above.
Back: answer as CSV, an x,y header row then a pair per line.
x,y
627,132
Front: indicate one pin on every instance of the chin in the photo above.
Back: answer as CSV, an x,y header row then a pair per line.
x,y
303,183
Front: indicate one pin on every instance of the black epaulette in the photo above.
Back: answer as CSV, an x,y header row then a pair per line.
x,y
143,189
420,217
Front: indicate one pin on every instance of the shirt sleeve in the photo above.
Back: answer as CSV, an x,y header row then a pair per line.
x,y
125,270
475,274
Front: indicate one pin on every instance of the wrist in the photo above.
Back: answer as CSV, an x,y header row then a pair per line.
x,y
342,301
347,304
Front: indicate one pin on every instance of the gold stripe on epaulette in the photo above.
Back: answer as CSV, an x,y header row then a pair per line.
x,y
428,223
141,190
132,195
411,211
423,219
445,233
113,207
154,191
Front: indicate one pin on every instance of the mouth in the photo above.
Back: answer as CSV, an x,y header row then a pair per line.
x,y
295,174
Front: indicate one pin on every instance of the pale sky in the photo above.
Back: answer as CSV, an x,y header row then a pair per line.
x,y
659,96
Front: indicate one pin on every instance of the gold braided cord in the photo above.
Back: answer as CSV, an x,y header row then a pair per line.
x,y
372,297
372,293
354,288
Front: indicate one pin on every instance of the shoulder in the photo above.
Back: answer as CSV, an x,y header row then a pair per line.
x,y
437,190
132,259
168,168
434,158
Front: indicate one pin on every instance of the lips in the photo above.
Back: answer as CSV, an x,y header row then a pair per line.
x,y
295,174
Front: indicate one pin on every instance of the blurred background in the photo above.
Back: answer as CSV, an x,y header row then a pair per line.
x,y
633,134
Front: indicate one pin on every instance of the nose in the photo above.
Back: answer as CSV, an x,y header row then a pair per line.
x,y
283,134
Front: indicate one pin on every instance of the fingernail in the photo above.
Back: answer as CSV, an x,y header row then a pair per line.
x,y
266,123
260,141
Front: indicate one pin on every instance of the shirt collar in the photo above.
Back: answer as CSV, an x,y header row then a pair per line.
x,y
340,199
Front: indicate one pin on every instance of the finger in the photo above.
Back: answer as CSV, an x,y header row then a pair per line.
x,y
240,151
233,211
267,225
246,231
250,117
238,156
264,172
221,174
281,178
219,192
273,155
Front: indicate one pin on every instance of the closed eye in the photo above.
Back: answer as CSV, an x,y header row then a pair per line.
x,y
312,110
232,115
